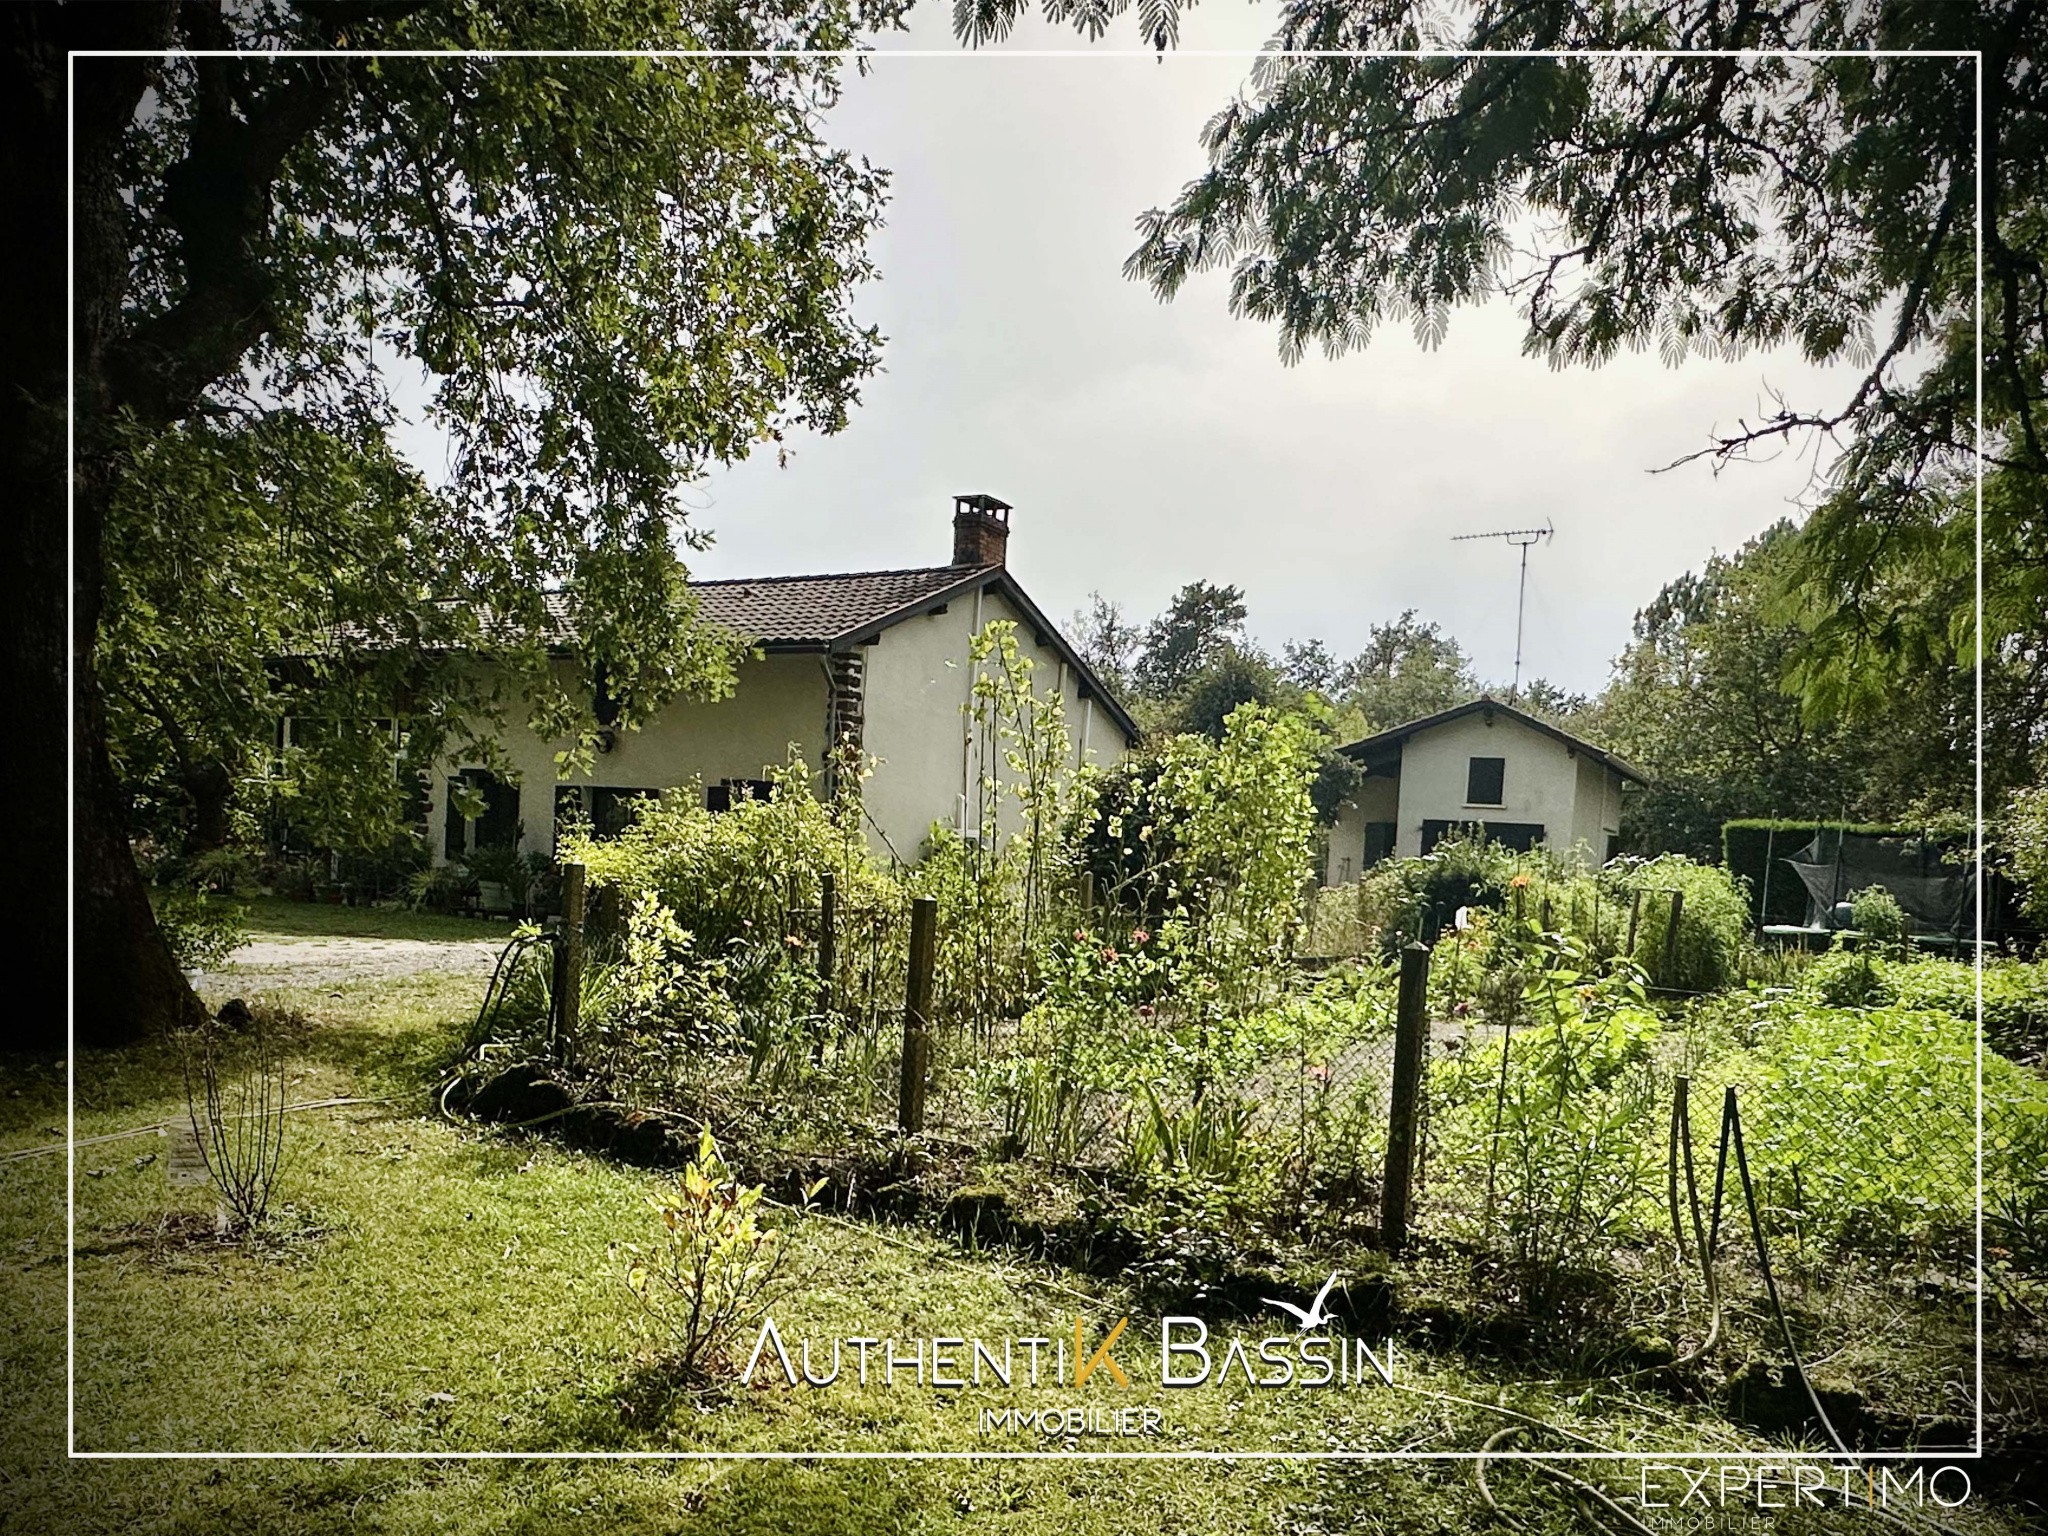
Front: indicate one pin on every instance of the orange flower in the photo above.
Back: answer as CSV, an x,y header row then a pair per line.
x,y
1520,880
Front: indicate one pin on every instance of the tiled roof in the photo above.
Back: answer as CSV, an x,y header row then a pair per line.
x,y
809,610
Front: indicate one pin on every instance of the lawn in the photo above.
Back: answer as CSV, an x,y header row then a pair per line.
x,y
273,917
430,1288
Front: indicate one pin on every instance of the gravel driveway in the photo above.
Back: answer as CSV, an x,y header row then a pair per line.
x,y
284,962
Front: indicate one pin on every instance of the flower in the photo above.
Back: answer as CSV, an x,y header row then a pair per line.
x,y
1145,1010
1521,880
1140,936
1108,954
1319,1071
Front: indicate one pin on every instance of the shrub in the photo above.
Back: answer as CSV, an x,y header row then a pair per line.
x,y
2023,840
2015,993
709,1272
1562,1115
441,888
1876,914
238,1121
1713,922
201,930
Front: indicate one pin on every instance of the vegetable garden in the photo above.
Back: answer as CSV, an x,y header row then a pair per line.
x,y
1649,1150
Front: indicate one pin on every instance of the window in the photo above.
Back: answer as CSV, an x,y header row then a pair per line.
x,y
608,809
1379,841
727,793
497,827
1485,780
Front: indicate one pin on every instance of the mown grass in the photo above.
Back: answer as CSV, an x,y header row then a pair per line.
x,y
273,917
432,1288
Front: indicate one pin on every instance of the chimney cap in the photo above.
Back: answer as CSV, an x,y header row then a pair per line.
x,y
982,502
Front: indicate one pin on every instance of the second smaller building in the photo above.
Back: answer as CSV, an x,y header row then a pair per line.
x,y
1487,765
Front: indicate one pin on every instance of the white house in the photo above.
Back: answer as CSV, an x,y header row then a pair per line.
x,y
879,659
1484,764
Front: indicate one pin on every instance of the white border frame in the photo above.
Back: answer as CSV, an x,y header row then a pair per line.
x,y
1977,1448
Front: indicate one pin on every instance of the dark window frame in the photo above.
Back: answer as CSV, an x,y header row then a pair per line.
x,y
1495,770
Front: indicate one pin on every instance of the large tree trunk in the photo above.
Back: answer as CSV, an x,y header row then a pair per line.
x,y
124,981
32,631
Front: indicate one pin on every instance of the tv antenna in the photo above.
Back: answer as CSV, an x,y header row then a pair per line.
x,y
1522,539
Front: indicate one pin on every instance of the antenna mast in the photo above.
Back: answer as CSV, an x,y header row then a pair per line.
x,y
1522,539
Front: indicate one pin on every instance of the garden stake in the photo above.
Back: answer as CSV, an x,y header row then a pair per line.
x,y
917,1009
1635,912
828,917
1665,960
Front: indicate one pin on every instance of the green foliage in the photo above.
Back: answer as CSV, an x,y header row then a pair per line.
x,y
1202,621
2015,993
1713,921
1699,703
1409,668
710,1270
201,930
1562,1114
1875,1109
1875,913
649,270
2023,842
1409,899
1001,889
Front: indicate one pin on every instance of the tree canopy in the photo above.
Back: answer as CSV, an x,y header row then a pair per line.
x,y
595,277
1703,202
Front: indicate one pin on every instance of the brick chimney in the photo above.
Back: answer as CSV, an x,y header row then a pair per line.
x,y
981,530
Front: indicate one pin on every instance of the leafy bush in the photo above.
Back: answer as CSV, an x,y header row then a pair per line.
x,y
201,930
1417,898
738,890
1713,921
1875,913
1562,1115
709,1272
1844,978
443,888
2022,836
2015,993
1874,1109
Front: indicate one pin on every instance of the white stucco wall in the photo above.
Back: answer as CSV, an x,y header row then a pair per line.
x,y
918,677
687,740
1598,811
1377,799
1540,784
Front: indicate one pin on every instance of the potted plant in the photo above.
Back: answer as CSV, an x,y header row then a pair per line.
x,y
501,879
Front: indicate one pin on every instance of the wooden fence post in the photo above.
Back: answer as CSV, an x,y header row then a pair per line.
x,y
569,964
917,1010
1404,1115
828,942
1664,961
1635,912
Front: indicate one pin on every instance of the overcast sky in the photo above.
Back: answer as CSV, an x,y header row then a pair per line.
x,y
1145,445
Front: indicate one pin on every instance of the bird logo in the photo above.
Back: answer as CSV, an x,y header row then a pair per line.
x,y
1315,1317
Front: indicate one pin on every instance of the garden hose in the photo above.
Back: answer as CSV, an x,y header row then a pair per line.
x,y
486,1014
